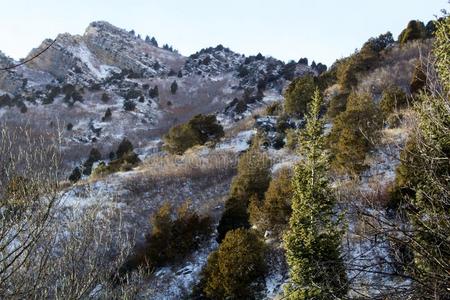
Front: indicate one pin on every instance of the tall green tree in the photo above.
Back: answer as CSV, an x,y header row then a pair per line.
x,y
414,31
298,94
313,241
354,132
251,181
423,178
232,271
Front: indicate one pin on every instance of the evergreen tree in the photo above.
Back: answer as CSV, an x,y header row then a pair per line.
x,y
154,92
174,87
154,42
423,178
197,131
124,147
75,175
298,94
393,98
313,240
414,31
108,115
354,133
105,97
251,181
274,211
235,266
418,80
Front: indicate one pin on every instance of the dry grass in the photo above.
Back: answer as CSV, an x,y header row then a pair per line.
x,y
397,67
245,124
166,170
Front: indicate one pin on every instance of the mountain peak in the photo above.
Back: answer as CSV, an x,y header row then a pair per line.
x,y
103,26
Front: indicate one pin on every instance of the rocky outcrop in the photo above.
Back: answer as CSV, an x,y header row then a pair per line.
x,y
10,80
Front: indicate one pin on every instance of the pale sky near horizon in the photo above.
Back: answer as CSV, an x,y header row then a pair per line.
x,y
286,29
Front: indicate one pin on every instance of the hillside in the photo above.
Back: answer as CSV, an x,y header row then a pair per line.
x,y
129,171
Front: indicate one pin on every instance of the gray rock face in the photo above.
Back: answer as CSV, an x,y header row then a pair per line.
x,y
102,50
10,80
80,77
117,47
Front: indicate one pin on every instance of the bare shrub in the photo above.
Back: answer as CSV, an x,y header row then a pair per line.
x,y
397,68
45,251
191,166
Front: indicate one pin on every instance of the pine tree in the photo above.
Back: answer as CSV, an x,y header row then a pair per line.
x,y
313,240
124,147
423,178
233,269
173,87
154,42
414,31
298,94
354,132
274,212
251,181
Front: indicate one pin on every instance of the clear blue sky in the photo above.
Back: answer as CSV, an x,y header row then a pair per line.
x,y
323,30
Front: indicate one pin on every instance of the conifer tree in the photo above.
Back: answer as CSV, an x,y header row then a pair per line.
x,y
233,270
354,132
251,182
174,87
313,240
423,178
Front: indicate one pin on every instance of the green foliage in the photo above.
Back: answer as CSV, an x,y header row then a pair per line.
x,y
430,29
406,176
393,98
94,156
125,160
354,132
327,78
274,211
423,177
253,174
346,72
19,192
174,234
252,180
274,109
313,240
124,147
232,270
415,30
122,164
441,49
348,69
153,92
107,116
298,95
338,104
418,80
197,131
291,139
75,175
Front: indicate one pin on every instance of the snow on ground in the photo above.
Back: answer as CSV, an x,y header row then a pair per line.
x,y
369,257
239,143
177,281
384,159
368,251
272,96
282,158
